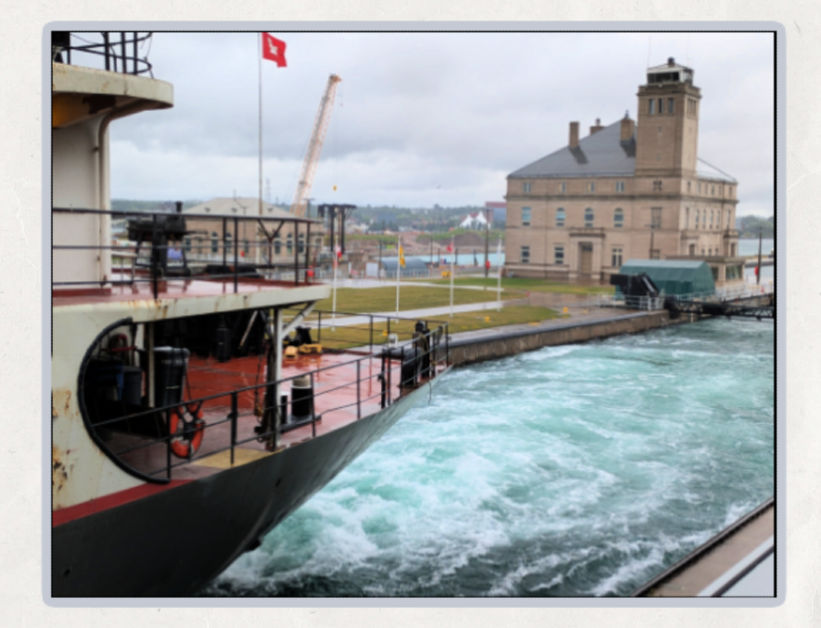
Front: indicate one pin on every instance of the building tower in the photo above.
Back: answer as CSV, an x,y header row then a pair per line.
x,y
667,134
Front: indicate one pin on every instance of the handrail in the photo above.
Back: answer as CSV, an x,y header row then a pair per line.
x,y
377,385
113,50
153,232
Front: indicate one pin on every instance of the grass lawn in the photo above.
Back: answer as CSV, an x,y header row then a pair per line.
x,y
411,297
343,337
528,285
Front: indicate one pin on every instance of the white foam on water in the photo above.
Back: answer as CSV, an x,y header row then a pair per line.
x,y
583,469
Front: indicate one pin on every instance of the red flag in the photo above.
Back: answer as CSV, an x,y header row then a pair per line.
x,y
273,49
450,247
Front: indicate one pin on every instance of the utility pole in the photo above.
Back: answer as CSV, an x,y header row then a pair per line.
x,y
758,268
487,242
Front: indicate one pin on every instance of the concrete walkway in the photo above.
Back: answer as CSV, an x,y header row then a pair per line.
x,y
424,313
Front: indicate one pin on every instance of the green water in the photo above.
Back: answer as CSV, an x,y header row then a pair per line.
x,y
581,470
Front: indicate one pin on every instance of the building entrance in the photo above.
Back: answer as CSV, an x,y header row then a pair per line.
x,y
585,258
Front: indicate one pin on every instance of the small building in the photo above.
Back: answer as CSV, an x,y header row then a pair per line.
x,y
413,268
691,278
275,238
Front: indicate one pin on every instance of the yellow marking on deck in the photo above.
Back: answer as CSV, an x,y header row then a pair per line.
x,y
222,459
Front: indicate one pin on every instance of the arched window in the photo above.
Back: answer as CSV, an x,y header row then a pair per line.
x,y
588,217
560,215
618,218
289,243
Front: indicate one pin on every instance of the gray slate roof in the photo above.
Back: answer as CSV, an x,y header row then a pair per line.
x,y
600,154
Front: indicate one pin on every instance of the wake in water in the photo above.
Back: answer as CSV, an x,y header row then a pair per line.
x,y
580,470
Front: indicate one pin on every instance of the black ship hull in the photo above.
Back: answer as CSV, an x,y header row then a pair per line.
x,y
173,543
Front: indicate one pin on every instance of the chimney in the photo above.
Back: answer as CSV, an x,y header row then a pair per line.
x,y
574,135
627,127
596,127
671,61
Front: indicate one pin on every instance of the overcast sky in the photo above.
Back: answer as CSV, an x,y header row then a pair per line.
x,y
426,118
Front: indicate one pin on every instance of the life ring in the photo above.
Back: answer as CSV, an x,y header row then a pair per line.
x,y
186,441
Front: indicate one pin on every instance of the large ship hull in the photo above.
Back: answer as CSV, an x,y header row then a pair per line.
x,y
174,542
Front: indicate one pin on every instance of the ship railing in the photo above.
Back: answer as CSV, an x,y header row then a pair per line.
x,y
256,416
106,50
162,249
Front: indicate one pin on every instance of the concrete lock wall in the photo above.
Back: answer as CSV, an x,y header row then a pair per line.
x,y
467,351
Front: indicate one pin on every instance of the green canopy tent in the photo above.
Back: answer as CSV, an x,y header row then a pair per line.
x,y
674,277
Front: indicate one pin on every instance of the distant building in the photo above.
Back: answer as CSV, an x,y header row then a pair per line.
x,y
497,210
475,220
205,240
627,190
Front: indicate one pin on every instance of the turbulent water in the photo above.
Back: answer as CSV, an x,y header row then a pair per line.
x,y
581,470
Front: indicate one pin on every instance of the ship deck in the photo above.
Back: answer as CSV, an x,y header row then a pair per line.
x,y
347,386
123,289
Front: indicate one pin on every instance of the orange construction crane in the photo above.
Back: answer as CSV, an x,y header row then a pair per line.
x,y
314,147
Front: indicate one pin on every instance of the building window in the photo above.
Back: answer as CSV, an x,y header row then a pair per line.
x,y
525,255
618,218
526,187
619,186
670,102
698,214
289,243
686,217
277,246
562,187
651,106
588,217
558,255
615,260
688,187
655,217
657,186
711,219
712,190
591,187
699,187
560,217
661,105
525,216
214,242
187,245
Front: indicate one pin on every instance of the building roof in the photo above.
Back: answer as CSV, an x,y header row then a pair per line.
x,y
674,277
600,154
244,206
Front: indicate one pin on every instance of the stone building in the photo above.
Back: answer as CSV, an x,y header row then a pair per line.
x,y
628,190
274,232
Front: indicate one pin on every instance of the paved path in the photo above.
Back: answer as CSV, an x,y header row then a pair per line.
x,y
424,313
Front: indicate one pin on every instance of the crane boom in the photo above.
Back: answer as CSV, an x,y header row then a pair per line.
x,y
314,147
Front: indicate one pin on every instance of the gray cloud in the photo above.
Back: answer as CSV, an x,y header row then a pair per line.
x,y
423,118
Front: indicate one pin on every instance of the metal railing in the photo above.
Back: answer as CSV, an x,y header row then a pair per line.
x,y
141,443
169,254
112,51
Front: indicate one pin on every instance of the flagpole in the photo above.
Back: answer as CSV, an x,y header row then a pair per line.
x,y
259,82
398,264
333,293
499,277
452,260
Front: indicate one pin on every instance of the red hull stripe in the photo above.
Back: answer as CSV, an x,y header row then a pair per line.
x,y
98,504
